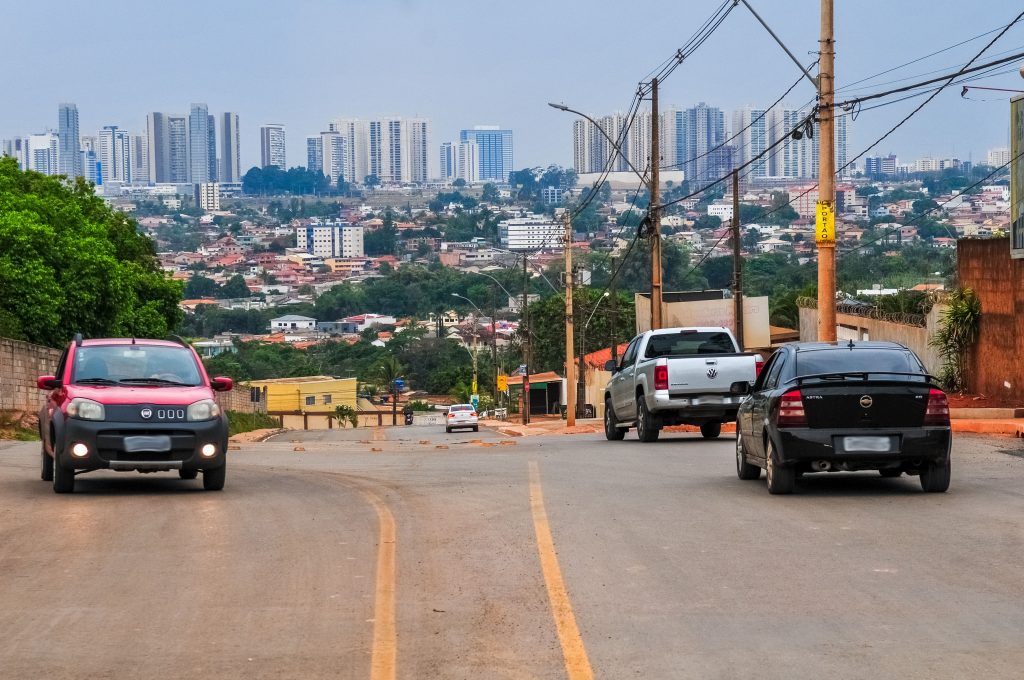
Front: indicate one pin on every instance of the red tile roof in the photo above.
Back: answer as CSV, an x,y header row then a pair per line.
x,y
600,357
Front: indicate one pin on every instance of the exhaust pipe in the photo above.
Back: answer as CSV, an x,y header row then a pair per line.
x,y
821,465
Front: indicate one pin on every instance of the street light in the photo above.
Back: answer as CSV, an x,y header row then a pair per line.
x,y
510,295
472,353
615,145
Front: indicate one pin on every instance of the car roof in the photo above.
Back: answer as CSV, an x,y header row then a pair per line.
x,y
98,342
458,405
847,344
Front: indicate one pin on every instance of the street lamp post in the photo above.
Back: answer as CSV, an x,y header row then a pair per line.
x,y
473,353
582,389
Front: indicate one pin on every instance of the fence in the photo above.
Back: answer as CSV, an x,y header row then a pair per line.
x,y
20,364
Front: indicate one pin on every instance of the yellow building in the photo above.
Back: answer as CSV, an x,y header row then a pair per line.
x,y
310,394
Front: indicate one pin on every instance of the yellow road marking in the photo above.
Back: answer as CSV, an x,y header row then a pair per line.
x,y
385,643
577,666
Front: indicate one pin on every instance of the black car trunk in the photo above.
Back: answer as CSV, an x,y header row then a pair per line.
x,y
865,404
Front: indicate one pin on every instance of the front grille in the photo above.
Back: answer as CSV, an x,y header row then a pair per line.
x,y
110,445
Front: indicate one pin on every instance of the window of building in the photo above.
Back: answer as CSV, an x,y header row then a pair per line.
x,y
327,398
310,401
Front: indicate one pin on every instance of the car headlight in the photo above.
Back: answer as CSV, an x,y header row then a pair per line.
x,y
86,409
207,409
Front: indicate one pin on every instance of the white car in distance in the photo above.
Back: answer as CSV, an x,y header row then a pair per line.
x,y
461,416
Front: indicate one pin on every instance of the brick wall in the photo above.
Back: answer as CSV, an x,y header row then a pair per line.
x,y
985,267
20,364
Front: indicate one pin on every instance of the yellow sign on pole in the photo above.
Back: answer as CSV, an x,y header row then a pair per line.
x,y
502,382
474,385
825,224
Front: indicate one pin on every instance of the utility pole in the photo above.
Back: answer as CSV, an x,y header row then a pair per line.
x,y
825,229
655,212
524,328
570,361
494,343
615,317
737,259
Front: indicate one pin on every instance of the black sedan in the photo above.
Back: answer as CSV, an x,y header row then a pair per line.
x,y
826,407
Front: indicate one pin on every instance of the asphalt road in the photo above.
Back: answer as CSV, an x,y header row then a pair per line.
x,y
414,554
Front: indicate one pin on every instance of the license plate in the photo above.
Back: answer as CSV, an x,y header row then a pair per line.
x,y
874,444
707,401
155,444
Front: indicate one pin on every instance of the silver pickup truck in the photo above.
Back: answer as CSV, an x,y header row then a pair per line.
x,y
676,376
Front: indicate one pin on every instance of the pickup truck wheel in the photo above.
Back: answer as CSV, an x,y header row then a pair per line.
x,y
188,474
612,432
744,470
45,464
935,476
213,479
646,430
781,479
63,479
711,430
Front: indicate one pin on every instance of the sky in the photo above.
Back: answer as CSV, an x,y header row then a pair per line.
x,y
462,63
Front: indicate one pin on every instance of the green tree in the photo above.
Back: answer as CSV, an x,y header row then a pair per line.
x,y
371,181
235,288
69,263
200,286
489,193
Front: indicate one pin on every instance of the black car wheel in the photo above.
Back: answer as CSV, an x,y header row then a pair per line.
x,y
646,430
781,479
711,430
612,432
213,479
744,470
63,479
935,476
45,464
188,474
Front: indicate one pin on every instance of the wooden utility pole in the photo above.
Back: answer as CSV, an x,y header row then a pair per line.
x,y
525,330
737,259
570,360
655,212
614,312
825,228
494,343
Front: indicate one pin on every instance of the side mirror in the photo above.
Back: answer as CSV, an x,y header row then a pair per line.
x,y
740,387
47,382
611,365
221,384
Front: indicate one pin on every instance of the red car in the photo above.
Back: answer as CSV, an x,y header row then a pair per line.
x,y
132,404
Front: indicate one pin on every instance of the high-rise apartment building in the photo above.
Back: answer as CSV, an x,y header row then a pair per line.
x,y
230,146
211,148
592,152
333,239
449,160
43,153
70,144
114,148
17,148
468,163
750,130
356,135
334,155
398,150
494,148
168,148
199,144
140,159
272,148
314,154
998,157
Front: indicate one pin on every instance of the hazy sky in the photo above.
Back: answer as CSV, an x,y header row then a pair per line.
x,y
461,63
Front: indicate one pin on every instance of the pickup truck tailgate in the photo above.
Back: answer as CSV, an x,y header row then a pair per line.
x,y
709,374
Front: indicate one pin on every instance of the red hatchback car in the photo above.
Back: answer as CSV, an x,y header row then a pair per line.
x,y
132,404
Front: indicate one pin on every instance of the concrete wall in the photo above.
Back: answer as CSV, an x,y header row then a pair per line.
x,y
20,364
854,327
984,266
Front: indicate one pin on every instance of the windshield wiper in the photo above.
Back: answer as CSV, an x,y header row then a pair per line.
x,y
154,381
95,381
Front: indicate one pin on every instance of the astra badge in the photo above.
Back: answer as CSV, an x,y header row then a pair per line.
x,y
712,373
146,413
866,401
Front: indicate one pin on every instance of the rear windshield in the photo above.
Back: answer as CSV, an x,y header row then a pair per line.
x,y
462,407
689,343
136,363
846,360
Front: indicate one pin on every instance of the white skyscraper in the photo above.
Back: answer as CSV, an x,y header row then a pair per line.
x,y
17,148
356,135
167,148
115,154
230,145
750,125
272,148
468,164
334,155
199,144
43,153
449,160
140,159
67,126
314,154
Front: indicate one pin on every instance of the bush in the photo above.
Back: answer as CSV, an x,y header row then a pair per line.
x,y
239,421
348,413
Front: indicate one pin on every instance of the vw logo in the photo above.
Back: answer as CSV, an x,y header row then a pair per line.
x,y
866,401
712,373
146,413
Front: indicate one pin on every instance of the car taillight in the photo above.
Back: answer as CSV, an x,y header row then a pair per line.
x,y
473,414
451,415
661,377
791,410
758,365
937,412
